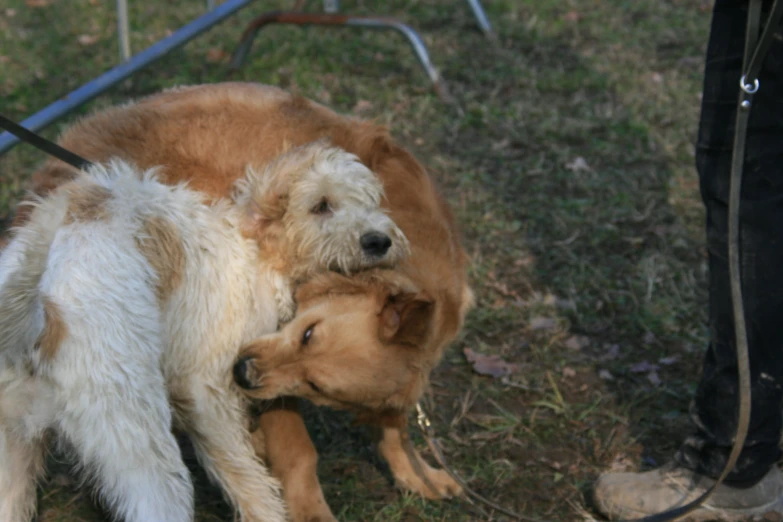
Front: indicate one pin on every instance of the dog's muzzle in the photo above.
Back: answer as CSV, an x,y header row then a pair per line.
x,y
375,244
243,372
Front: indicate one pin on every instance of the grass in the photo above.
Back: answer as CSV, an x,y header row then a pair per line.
x,y
569,162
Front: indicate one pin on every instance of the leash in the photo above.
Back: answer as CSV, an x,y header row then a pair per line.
x,y
43,144
755,51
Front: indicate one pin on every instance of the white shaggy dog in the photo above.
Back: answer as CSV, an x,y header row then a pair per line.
x,y
122,306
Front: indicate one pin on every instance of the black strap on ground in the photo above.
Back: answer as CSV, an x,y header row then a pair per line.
x,y
43,144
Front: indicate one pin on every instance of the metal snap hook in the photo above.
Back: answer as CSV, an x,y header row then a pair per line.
x,y
747,87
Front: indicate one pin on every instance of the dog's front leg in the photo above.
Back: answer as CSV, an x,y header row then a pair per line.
x,y
22,464
282,440
410,470
217,426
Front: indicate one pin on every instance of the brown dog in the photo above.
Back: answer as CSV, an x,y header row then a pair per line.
x,y
207,135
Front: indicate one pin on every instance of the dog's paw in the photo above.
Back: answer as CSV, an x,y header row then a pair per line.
x,y
444,485
436,484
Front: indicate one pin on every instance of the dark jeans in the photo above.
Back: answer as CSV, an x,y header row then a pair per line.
x,y
761,231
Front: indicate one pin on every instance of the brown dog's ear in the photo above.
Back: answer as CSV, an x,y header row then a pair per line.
x,y
406,318
329,283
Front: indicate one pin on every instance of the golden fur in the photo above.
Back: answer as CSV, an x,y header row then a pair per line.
x,y
53,333
159,242
206,135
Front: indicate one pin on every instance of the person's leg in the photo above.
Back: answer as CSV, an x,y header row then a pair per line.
x,y
755,486
761,231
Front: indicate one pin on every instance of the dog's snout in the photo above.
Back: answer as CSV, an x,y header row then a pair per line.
x,y
242,370
375,243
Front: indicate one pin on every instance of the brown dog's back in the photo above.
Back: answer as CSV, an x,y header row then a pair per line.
x,y
207,135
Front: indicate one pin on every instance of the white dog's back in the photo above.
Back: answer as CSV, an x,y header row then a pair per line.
x,y
109,271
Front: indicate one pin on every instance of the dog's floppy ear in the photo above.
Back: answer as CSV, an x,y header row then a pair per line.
x,y
263,200
406,318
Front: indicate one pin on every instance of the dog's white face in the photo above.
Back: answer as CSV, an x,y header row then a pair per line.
x,y
334,218
329,206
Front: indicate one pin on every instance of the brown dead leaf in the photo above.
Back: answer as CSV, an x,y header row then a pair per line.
x,y
643,367
491,365
525,261
568,372
87,39
668,361
502,289
542,323
217,55
578,164
620,463
36,3
577,342
362,106
572,16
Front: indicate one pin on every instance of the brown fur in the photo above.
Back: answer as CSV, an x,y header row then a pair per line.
x,y
162,247
206,135
54,331
87,203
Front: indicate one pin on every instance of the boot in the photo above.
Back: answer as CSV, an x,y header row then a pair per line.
x,y
636,495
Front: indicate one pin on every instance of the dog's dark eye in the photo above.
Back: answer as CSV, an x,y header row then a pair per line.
x,y
307,334
322,207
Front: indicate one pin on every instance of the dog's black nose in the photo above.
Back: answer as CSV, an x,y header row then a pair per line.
x,y
241,373
375,243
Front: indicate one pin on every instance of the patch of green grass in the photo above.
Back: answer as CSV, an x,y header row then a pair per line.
x,y
610,246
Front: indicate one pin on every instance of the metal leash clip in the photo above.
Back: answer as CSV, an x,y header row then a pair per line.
x,y
423,420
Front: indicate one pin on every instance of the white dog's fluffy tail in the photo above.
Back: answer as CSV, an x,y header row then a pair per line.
x,y
22,265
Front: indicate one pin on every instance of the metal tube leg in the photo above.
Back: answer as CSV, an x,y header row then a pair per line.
x,y
100,84
296,18
481,18
123,30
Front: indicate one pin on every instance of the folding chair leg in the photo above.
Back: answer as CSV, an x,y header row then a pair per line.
x,y
481,18
337,20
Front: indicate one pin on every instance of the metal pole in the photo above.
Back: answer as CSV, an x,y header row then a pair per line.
x,y
100,84
336,20
481,17
123,31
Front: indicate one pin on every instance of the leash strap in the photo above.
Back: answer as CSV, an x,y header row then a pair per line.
x,y
43,144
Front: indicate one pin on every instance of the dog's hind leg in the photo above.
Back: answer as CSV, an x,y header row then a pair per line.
x,y
124,441
217,424
21,463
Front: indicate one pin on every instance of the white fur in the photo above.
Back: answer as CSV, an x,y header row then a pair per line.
x,y
130,365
